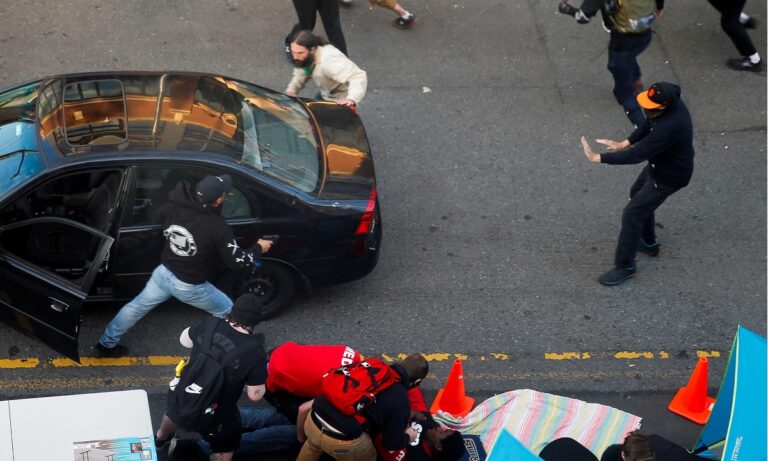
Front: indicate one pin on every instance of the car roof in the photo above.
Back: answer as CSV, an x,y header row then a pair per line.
x,y
128,112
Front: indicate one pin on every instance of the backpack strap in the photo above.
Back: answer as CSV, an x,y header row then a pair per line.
x,y
236,353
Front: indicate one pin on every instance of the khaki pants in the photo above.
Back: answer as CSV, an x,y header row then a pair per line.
x,y
384,3
359,449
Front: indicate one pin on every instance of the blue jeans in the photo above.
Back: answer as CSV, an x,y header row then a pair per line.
x,y
623,50
162,286
264,431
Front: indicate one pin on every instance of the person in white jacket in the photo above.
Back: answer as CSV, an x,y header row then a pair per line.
x,y
339,79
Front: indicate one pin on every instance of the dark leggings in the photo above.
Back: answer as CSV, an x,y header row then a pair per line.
x,y
730,10
307,11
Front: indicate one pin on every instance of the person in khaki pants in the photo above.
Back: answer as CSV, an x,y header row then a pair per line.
x,y
344,438
404,17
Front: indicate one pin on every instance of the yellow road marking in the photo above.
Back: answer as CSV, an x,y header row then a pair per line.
x,y
172,360
19,363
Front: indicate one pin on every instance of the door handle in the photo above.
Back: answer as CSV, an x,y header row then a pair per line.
x,y
58,306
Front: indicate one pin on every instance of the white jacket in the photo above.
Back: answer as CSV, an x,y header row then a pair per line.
x,y
334,73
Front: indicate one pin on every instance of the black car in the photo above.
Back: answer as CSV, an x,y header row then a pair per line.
x,y
85,160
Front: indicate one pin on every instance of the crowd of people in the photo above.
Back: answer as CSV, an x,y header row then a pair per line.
x,y
306,416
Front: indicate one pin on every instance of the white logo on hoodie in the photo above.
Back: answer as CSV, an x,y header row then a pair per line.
x,y
180,240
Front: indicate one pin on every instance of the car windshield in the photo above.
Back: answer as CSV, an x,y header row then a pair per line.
x,y
19,157
278,137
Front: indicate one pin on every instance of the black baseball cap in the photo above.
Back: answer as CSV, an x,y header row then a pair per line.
x,y
212,187
655,97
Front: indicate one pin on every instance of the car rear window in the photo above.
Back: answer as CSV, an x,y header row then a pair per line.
x,y
279,137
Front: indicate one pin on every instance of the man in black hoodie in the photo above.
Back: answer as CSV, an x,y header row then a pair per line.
x,y
665,141
198,239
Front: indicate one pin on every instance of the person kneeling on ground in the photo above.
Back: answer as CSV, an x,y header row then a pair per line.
x,y
241,354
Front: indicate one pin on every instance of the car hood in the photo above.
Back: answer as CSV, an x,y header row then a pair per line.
x,y
349,172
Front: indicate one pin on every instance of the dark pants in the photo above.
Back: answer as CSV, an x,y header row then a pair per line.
x,y
638,219
307,11
623,50
730,10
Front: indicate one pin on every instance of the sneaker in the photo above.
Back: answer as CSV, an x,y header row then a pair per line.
x,y
745,64
110,352
405,22
649,249
617,275
346,3
185,450
750,23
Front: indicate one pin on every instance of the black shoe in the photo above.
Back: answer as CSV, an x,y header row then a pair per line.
x,y
110,352
745,64
751,23
651,250
185,450
617,275
346,3
405,22
160,444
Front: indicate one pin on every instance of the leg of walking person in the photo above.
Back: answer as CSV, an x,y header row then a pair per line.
x,y
730,14
637,214
329,14
204,296
155,292
623,50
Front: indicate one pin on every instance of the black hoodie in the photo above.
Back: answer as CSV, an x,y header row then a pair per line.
x,y
198,239
665,141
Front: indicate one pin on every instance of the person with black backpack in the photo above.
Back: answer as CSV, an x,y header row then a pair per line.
x,y
226,356
629,22
359,400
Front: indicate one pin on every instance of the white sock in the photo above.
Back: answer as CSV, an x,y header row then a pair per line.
x,y
743,18
407,15
755,58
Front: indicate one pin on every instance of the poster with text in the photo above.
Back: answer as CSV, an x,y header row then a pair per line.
x,y
121,449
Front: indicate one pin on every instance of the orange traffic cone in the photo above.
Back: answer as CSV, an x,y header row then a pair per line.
x,y
452,398
692,401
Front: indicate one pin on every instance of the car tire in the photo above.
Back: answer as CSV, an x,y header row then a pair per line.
x,y
274,285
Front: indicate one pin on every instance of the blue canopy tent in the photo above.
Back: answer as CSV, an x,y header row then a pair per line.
x,y
738,421
508,448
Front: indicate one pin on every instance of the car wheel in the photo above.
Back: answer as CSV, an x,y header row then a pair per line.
x,y
274,285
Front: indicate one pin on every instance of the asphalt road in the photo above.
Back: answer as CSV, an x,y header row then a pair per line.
x,y
495,224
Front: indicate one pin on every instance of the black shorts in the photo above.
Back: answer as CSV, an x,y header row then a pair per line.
x,y
221,430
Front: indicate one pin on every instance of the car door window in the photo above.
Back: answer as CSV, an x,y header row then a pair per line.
x,y
153,186
89,197
58,246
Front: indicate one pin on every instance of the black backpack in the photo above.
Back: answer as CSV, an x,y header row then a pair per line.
x,y
202,379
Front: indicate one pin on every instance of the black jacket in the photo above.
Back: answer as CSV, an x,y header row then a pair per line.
x,y
389,415
198,239
665,141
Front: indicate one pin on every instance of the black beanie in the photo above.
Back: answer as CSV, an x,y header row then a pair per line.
x,y
246,311
453,448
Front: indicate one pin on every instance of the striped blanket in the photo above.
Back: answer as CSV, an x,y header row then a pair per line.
x,y
536,418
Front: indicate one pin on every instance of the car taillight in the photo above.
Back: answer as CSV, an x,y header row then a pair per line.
x,y
366,222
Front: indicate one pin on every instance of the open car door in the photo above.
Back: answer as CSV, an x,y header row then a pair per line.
x,y
47,267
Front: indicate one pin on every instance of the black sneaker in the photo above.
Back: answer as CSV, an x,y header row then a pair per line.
x,y
110,352
405,22
745,64
185,450
651,250
617,275
345,3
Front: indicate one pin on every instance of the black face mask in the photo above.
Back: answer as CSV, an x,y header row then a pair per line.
x,y
653,113
307,62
